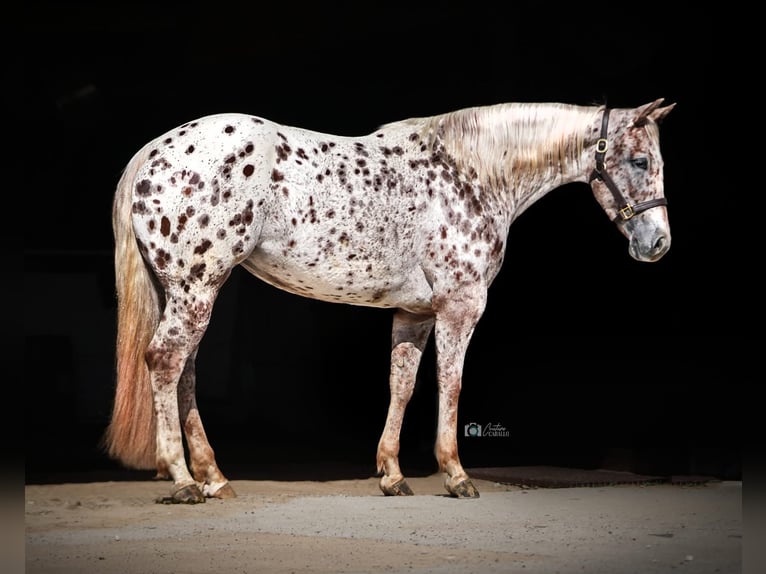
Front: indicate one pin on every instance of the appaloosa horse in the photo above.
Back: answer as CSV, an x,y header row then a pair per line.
x,y
413,217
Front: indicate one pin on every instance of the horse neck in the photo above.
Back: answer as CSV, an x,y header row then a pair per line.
x,y
520,152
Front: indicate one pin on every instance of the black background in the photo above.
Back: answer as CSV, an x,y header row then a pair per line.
x,y
586,356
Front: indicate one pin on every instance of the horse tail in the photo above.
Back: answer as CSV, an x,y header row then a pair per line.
x,y
130,436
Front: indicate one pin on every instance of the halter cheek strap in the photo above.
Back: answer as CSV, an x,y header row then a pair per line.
x,y
625,210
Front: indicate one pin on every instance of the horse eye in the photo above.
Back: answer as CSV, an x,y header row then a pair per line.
x,y
640,162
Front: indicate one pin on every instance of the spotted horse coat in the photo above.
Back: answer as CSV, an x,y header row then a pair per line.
x,y
412,217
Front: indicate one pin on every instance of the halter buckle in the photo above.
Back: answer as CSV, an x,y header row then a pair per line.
x,y
602,145
627,212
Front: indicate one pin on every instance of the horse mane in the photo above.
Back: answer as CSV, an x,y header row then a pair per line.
x,y
508,142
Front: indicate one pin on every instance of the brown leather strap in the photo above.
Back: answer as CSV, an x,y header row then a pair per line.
x,y
625,210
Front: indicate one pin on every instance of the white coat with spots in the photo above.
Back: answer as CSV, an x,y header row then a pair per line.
x,y
412,217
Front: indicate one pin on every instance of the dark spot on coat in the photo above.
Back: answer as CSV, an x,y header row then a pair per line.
x,y
197,272
140,207
202,247
248,170
144,187
164,226
283,151
247,214
161,259
277,175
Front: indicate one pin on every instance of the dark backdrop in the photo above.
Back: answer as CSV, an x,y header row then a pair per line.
x,y
585,356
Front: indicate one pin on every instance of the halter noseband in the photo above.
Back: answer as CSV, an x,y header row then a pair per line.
x,y
625,210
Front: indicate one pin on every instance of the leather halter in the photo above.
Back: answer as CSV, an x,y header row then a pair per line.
x,y
625,210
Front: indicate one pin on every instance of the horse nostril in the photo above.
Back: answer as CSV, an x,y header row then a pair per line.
x,y
659,244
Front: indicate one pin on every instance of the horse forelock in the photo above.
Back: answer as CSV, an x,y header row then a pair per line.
x,y
509,142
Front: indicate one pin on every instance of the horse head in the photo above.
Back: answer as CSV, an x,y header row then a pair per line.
x,y
627,180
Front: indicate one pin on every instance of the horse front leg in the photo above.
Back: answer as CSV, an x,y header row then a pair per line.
x,y
204,468
408,340
456,319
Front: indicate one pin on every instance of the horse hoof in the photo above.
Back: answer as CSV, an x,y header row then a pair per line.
x,y
464,489
225,492
187,495
400,488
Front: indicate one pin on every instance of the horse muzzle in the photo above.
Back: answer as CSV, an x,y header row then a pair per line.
x,y
648,242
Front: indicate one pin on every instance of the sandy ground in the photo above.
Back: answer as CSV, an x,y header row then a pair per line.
x,y
349,526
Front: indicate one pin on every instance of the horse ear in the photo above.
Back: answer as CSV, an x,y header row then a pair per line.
x,y
651,111
659,114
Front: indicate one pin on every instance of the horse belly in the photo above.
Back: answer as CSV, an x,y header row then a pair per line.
x,y
370,281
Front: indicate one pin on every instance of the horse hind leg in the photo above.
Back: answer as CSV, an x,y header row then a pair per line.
x,y
409,337
173,345
204,468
